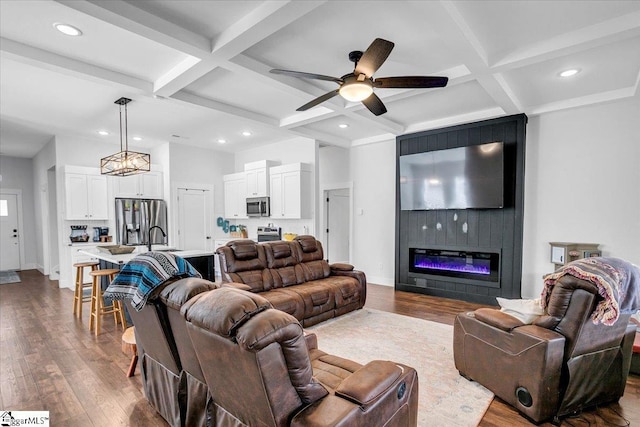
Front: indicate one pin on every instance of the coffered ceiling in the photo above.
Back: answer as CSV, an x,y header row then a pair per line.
x,y
198,71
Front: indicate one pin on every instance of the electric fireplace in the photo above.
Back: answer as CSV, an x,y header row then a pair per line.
x,y
483,266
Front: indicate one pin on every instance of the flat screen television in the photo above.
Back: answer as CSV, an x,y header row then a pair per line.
x,y
458,178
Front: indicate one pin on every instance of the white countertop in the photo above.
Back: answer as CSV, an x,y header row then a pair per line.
x,y
125,258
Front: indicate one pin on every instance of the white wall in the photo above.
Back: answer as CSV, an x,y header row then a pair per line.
x,y
42,162
192,165
17,173
373,174
296,150
582,184
333,172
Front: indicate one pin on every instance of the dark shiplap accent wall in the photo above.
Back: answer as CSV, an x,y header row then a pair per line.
x,y
488,229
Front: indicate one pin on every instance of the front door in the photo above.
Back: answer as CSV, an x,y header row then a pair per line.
x,y
9,237
194,219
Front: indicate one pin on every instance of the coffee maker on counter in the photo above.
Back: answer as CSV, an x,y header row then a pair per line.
x,y
101,234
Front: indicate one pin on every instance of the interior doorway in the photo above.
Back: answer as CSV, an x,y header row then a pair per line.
x,y
337,208
11,244
194,218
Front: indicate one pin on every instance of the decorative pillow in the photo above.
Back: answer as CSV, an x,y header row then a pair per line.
x,y
525,310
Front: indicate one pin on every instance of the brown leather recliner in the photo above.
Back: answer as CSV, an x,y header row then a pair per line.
x,y
171,376
558,365
263,371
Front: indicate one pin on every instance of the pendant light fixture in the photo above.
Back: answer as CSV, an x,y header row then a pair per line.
x,y
125,162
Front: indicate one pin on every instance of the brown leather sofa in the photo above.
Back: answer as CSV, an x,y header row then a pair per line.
x,y
294,277
171,376
263,371
558,365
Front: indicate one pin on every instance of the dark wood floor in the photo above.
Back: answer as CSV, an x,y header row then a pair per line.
x,y
50,361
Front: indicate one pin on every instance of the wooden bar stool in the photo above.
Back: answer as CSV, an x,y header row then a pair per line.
x,y
130,348
81,285
98,309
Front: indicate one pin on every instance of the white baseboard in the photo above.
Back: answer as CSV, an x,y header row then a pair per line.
x,y
379,280
29,266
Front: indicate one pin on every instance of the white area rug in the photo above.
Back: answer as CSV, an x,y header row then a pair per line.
x,y
445,398
9,277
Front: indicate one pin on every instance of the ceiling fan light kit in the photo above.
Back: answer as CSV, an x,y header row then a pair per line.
x,y
358,86
356,91
125,162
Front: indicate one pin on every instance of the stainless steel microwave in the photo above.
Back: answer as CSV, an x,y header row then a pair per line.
x,y
258,206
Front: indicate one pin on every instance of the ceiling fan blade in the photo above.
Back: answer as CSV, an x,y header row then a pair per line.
x,y
415,82
302,75
374,57
318,100
375,105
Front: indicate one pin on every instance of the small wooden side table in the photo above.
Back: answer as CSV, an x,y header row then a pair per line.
x,y
129,347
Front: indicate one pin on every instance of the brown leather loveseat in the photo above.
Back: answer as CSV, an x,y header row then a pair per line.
x,y
558,365
294,277
262,370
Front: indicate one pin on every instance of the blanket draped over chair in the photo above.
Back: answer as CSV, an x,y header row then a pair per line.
x,y
618,284
143,274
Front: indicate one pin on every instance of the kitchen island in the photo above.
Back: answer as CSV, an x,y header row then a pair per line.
x,y
201,260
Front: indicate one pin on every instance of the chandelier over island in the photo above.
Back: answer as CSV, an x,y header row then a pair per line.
x,y
125,162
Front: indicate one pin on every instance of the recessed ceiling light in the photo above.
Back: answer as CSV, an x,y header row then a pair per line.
x,y
103,132
246,133
570,72
222,141
137,138
343,125
67,29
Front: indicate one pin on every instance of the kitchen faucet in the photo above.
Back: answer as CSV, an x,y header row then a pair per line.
x,y
161,230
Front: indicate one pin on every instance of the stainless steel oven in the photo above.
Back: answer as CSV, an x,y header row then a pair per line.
x,y
258,206
269,234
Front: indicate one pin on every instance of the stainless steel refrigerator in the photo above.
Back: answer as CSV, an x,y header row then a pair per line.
x,y
134,218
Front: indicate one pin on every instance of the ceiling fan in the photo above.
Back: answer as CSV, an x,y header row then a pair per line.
x,y
359,85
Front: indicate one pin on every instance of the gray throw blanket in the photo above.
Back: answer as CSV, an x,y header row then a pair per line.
x,y
618,283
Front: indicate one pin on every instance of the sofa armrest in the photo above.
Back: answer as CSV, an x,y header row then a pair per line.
x,y
341,266
359,276
497,319
311,340
236,285
393,403
368,383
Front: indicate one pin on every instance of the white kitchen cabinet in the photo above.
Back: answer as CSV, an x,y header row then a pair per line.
x,y
146,185
235,196
257,177
290,191
86,197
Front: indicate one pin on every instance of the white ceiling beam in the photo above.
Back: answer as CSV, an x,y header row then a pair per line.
x,y
603,33
126,16
455,120
446,20
222,107
263,21
52,61
596,98
322,137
